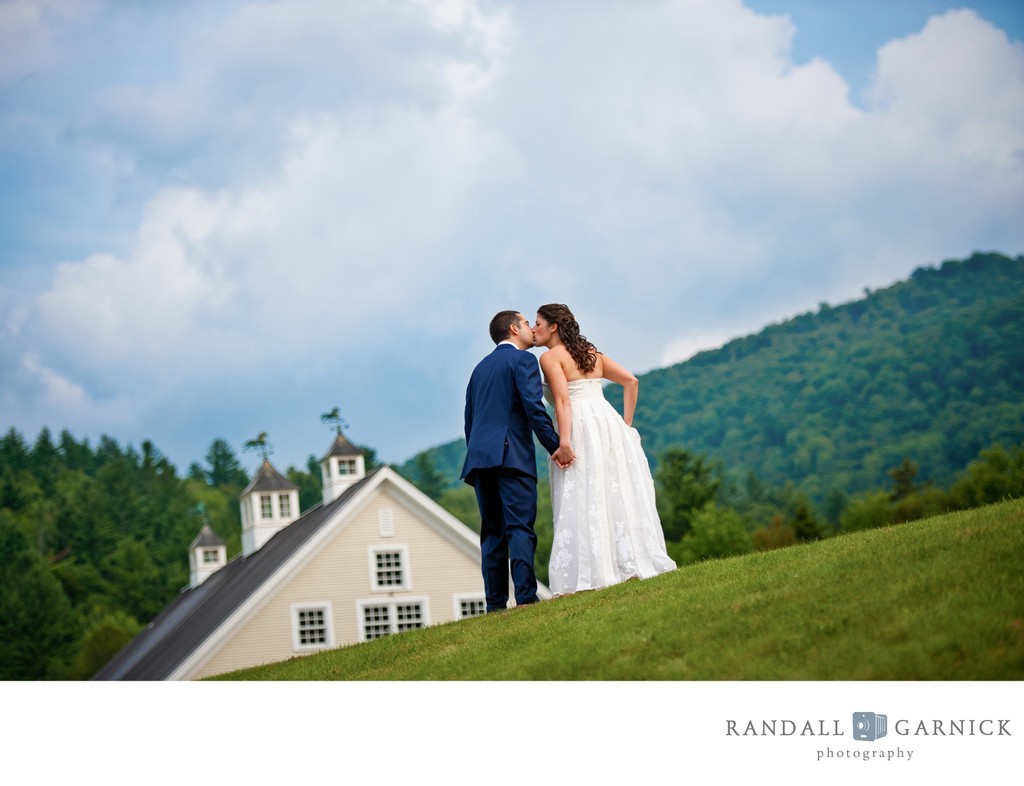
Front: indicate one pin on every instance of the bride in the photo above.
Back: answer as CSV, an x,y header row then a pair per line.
x,y
607,528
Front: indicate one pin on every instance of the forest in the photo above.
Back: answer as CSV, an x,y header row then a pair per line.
x,y
905,403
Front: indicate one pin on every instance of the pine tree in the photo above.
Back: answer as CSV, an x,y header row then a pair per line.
x,y
38,631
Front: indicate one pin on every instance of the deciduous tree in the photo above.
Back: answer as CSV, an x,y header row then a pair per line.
x,y
686,483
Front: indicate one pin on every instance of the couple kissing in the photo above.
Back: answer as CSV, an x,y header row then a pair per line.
x,y
606,525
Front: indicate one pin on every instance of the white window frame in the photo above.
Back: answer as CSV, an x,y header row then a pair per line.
x,y
403,550
392,604
347,467
284,505
325,607
266,506
464,597
211,556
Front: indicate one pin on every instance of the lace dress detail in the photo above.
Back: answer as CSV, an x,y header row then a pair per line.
x,y
607,528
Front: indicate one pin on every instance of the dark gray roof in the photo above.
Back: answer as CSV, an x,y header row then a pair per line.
x,y
269,479
198,611
206,537
342,447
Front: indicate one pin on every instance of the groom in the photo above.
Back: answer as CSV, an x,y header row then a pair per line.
x,y
504,409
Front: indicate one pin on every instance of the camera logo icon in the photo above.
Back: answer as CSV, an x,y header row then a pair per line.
x,y
869,726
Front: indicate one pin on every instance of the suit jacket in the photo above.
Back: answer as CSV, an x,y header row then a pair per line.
x,y
504,409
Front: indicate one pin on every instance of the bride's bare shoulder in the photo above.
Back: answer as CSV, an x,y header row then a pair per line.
x,y
550,357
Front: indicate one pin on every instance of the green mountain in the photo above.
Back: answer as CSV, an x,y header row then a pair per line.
x,y
930,369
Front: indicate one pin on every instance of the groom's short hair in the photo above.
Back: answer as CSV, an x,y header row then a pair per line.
x,y
502,324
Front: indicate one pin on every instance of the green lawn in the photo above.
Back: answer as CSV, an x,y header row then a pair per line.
x,y
937,599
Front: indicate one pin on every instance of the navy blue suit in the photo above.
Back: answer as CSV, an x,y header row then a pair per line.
x,y
504,409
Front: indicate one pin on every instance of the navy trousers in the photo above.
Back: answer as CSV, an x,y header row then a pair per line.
x,y
508,510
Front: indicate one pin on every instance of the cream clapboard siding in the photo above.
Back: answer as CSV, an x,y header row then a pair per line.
x,y
340,575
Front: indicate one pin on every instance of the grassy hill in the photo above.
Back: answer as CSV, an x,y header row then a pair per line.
x,y
937,599
930,369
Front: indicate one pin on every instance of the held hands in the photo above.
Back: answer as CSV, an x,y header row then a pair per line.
x,y
564,456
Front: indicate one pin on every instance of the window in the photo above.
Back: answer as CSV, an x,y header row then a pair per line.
x,y
346,466
376,622
210,556
473,607
389,569
468,604
266,506
285,503
312,627
408,616
383,619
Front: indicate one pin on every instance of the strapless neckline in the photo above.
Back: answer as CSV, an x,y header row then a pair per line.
x,y
578,381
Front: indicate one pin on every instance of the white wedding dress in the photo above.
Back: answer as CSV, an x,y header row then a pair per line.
x,y
607,528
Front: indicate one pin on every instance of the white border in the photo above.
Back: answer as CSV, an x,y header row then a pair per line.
x,y
94,713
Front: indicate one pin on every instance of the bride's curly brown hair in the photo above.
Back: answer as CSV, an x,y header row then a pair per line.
x,y
582,351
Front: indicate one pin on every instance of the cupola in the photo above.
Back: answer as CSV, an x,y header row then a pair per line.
x,y
207,554
342,466
269,504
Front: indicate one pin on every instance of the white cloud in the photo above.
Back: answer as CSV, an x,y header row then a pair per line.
x,y
345,193
122,319
958,66
56,391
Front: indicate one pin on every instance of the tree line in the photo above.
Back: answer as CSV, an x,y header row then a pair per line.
x,y
706,512
706,516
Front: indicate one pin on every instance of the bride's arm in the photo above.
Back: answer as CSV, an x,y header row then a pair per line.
x,y
554,375
630,387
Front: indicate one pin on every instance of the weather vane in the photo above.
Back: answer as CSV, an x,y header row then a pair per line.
x,y
335,419
261,444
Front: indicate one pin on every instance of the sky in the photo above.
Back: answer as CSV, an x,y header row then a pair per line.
x,y
222,219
